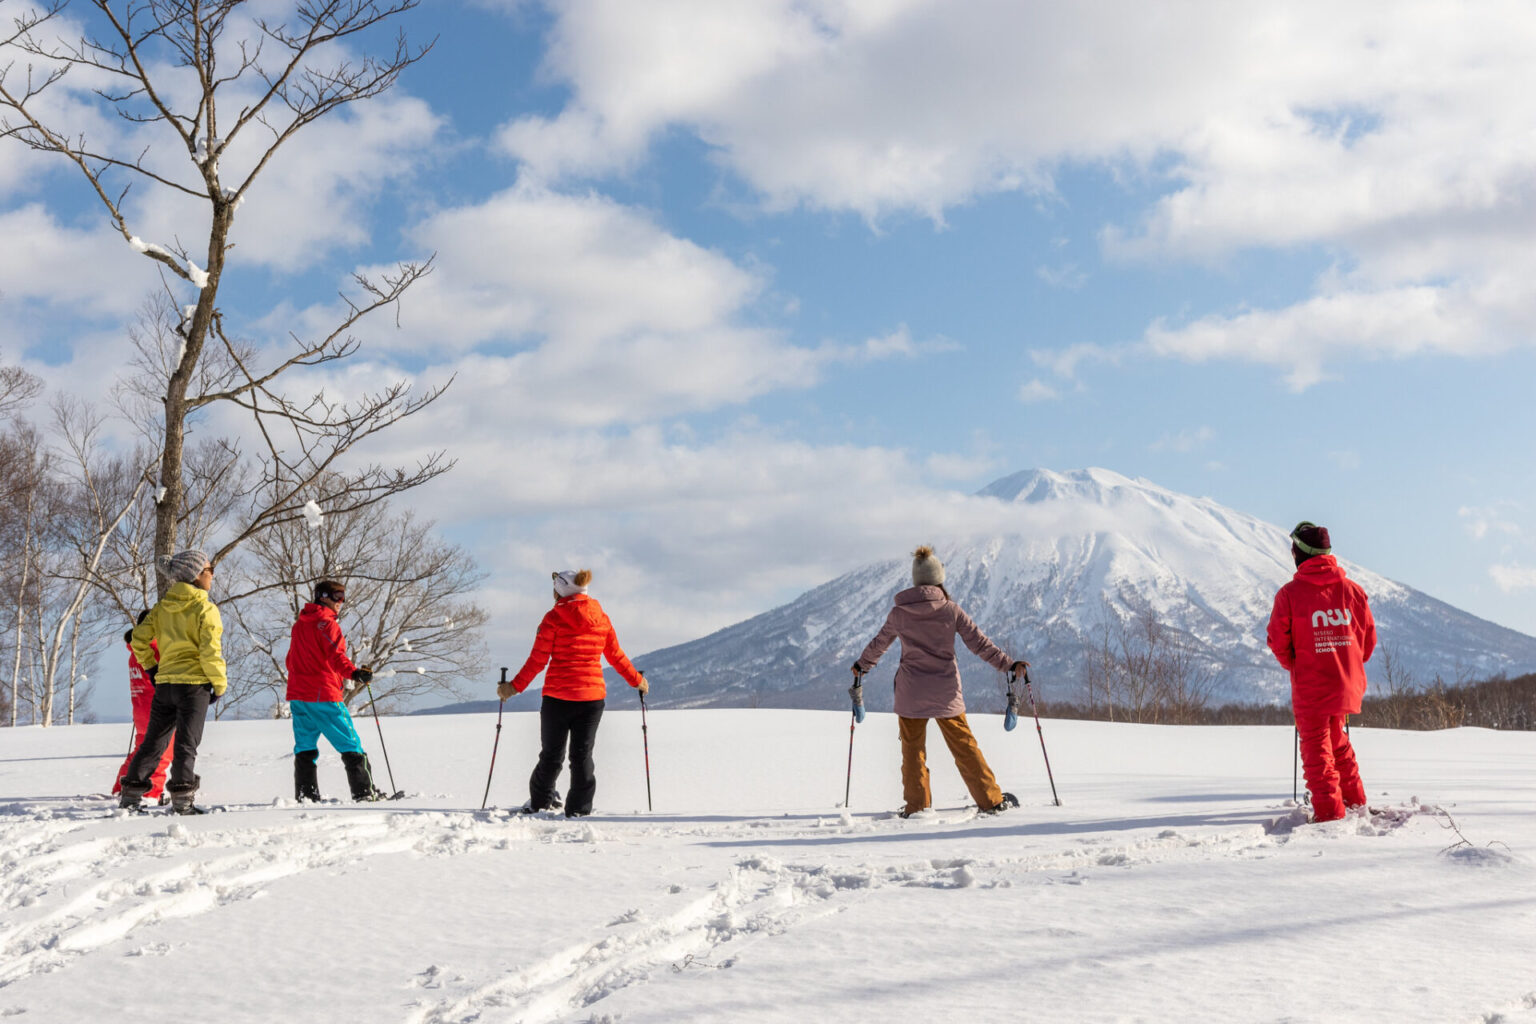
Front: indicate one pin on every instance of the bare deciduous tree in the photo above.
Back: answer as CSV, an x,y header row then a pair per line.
x,y
86,503
408,613
17,389
1146,671
279,75
23,473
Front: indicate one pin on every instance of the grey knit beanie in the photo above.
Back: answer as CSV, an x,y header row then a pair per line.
x,y
571,582
927,570
183,566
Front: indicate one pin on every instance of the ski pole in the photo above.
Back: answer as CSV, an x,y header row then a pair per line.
x,y
372,703
1030,690
645,739
856,692
1295,767
494,745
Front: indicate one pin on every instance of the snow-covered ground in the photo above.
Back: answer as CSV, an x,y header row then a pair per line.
x,y
1153,893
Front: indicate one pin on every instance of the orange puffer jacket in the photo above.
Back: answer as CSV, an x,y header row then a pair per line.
x,y
572,637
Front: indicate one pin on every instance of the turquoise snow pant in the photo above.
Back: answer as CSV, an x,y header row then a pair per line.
x,y
330,718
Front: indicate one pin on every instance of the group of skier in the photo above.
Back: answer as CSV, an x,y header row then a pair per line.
x,y
176,658
1321,630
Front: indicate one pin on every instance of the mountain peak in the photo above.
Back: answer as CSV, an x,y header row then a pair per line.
x,y
1036,486
1047,570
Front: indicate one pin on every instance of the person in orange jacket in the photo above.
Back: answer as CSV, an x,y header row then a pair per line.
x,y
1321,630
141,688
572,637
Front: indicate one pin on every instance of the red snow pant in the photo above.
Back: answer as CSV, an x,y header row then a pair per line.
x,y
143,697
1328,761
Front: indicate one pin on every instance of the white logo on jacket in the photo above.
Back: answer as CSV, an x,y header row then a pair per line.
x,y
1331,617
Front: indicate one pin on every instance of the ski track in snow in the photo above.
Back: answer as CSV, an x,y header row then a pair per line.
x,y
86,892
764,897
69,888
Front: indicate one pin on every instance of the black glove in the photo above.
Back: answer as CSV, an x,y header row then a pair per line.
x,y
362,675
151,672
213,695
857,669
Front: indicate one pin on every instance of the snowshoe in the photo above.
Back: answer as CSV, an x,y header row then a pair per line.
x,y
554,804
306,778
1008,800
360,778
181,799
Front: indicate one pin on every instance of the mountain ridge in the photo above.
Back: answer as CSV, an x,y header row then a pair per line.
x,y
1075,549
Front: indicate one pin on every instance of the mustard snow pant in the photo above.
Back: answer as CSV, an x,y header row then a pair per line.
x,y
962,744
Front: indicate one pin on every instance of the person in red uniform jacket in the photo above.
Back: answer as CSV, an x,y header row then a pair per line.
x,y
141,688
318,670
575,633
1322,632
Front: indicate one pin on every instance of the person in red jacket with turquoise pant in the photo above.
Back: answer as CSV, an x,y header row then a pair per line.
x,y
574,634
318,670
1322,632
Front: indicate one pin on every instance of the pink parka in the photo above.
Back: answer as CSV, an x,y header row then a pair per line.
x,y
928,679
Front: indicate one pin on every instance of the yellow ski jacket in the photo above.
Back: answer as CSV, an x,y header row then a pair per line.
x,y
189,631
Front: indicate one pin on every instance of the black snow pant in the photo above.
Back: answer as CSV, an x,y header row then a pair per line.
x,y
560,720
178,708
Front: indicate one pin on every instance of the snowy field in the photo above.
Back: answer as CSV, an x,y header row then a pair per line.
x,y
1155,892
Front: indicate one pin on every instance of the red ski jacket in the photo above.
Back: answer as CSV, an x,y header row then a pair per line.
x,y
141,688
572,637
318,666
1321,629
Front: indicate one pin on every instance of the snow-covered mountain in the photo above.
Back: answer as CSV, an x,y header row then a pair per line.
x,y
1074,546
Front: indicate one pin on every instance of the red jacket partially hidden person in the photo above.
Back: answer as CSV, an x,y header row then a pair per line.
x,y
318,666
572,637
1321,629
141,688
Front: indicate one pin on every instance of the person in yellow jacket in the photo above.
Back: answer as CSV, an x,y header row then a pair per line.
x,y
186,631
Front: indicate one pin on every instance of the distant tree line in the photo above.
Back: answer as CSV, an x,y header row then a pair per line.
x,y
1139,670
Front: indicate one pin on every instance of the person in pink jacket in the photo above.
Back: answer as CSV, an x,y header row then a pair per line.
x,y
1322,632
928,684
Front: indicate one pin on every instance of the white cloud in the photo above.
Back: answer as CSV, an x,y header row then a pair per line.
x,y
1069,276
1304,339
315,195
578,310
1064,361
1513,578
1356,129
724,525
1037,390
60,271
1184,441
1480,523
311,198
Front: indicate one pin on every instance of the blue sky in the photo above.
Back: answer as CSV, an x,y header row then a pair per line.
x,y
742,295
